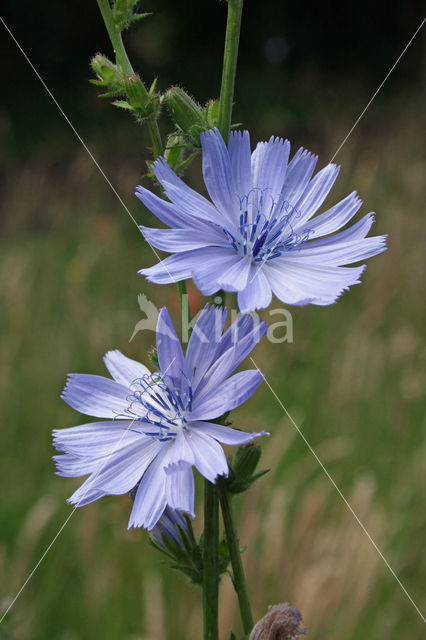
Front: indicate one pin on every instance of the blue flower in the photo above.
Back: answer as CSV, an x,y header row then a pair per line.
x,y
156,426
258,236
167,527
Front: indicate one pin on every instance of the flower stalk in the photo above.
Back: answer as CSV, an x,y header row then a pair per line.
x,y
122,59
234,553
232,39
211,562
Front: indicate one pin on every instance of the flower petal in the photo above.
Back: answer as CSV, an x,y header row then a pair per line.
x,y
179,240
334,218
95,395
171,214
203,343
124,370
217,174
301,284
169,349
257,294
235,277
269,165
150,499
214,402
185,198
210,459
240,158
172,269
180,489
180,454
236,344
95,439
299,172
315,193
226,435
210,266
120,471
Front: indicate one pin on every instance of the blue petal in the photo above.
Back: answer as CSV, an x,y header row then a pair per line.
x,y
179,240
69,465
226,435
209,267
150,499
169,213
240,158
237,343
180,454
169,349
315,194
124,370
180,490
269,163
299,284
210,459
257,294
95,395
183,196
95,439
174,268
341,253
218,174
299,173
334,218
214,402
235,277
203,343
120,471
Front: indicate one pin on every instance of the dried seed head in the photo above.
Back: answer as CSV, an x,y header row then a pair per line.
x,y
282,622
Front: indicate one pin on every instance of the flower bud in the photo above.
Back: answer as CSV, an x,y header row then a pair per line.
x,y
167,527
242,468
107,73
174,151
282,622
186,113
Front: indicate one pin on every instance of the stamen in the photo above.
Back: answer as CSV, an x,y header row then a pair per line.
x,y
271,233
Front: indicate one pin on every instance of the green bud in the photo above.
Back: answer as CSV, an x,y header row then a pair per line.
x,y
108,75
242,468
212,113
174,150
144,104
185,112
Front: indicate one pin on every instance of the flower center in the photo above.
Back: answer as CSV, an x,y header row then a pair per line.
x,y
156,402
266,227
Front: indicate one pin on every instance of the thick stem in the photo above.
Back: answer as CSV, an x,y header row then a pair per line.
x,y
122,59
232,39
234,552
211,562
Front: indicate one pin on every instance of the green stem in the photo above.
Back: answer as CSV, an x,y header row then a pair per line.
x,y
232,39
211,562
122,59
234,552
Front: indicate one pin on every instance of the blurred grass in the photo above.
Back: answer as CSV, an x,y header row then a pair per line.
x,y
353,380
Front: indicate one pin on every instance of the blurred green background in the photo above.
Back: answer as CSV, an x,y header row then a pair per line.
x,y
353,378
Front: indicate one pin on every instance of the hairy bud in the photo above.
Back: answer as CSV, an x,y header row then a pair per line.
x,y
282,622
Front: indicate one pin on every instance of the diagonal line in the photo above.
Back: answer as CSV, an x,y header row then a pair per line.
x,y
379,88
311,449
78,136
64,524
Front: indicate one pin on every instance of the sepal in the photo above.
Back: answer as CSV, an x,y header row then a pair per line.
x,y
242,468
